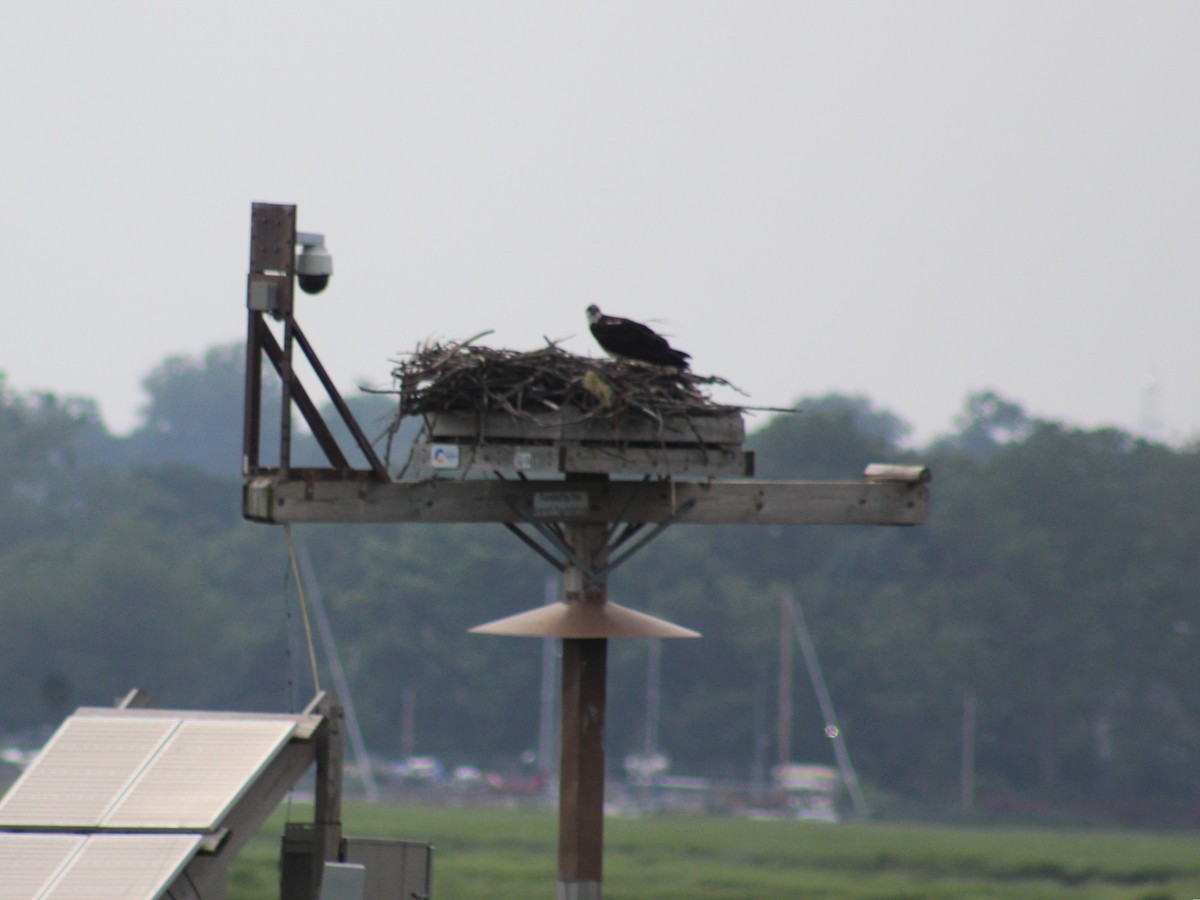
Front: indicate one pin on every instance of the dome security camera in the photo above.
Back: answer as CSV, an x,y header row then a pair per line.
x,y
314,265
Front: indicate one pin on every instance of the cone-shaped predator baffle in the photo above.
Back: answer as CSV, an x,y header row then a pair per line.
x,y
584,620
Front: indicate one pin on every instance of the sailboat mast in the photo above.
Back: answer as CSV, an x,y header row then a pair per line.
x,y
653,695
785,684
832,729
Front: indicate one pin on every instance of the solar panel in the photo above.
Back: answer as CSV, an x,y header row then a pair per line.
x,y
95,867
199,773
30,861
128,866
119,802
85,767
167,772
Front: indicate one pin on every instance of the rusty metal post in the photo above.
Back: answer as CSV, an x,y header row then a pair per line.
x,y
252,402
581,761
268,292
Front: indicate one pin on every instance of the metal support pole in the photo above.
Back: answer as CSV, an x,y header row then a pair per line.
x,y
581,770
547,737
968,752
581,761
252,402
653,696
339,674
268,290
784,755
832,729
285,411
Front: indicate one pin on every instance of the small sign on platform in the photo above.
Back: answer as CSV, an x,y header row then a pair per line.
x,y
443,456
555,504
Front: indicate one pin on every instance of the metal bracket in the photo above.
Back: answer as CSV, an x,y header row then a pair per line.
x,y
591,574
638,545
536,547
548,533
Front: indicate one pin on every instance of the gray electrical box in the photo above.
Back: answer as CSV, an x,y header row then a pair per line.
x,y
343,881
394,870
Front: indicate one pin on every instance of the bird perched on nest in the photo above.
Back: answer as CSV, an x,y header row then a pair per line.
x,y
626,339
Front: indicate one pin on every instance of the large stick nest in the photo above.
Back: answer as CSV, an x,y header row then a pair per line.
x,y
462,377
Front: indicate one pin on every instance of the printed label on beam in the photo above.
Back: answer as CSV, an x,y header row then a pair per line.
x,y
556,504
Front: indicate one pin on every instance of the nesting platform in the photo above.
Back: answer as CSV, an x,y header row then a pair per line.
x,y
548,411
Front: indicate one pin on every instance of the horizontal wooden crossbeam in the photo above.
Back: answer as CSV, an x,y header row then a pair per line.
x,y
272,500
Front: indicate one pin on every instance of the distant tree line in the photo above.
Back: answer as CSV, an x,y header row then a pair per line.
x,y
1054,586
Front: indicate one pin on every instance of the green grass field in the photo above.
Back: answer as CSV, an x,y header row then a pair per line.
x,y
490,853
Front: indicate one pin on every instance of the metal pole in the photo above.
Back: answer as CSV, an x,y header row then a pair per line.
x,y
252,400
268,289
581,735
546,717
832,729
325,631
285,411
762,740
408,722
653,697
968,752
784,756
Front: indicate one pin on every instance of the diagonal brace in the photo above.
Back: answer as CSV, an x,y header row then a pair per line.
x,y
550,535
638,545
339,404
536,547
304,403
591,574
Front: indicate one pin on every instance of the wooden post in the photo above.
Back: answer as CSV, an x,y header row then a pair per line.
x,y
581,760
581,769
327,793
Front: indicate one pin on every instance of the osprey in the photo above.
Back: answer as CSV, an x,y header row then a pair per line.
x,y
626,339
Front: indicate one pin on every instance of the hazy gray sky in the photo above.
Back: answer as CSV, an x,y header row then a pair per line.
x,y
907,200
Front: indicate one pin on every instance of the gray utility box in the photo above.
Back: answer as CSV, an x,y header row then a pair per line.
x,y
395,870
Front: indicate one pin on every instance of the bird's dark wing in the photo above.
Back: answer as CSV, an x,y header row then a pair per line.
x,y
624,337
